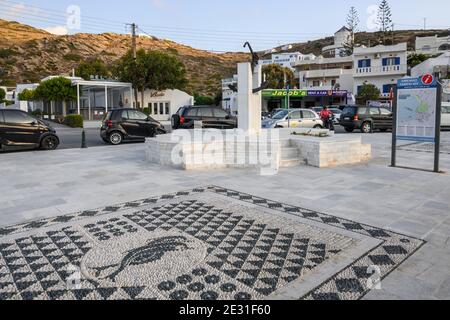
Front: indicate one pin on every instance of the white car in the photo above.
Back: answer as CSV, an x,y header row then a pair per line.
x,y
294,118
445,118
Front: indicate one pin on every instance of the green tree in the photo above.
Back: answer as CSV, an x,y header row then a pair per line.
x,y
153,70
94,67
278,77
2,95
56,89
27,95
384,19
369,92
203,100
352,25
415,59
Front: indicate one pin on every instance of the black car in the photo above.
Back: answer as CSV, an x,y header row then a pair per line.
x,y
211,117
19,130
121,125
367,119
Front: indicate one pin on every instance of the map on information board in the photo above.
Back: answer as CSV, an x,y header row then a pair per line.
x,y
416,109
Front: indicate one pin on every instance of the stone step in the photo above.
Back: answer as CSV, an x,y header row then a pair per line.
x,y
289,153
290,163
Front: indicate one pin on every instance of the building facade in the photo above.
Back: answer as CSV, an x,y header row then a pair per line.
x,y
341,38
432,45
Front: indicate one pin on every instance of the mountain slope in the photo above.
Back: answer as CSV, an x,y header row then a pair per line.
x,y
30,59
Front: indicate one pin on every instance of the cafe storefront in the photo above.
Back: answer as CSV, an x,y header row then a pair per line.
x,y
294,99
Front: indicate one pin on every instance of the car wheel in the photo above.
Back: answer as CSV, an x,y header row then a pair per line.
x,y
49,143
175,122
318,126
115,138
366,127
349,130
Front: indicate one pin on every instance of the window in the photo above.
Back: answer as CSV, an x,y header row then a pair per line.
x,y
391,61
295,115
365,63
219,113
362,111
125,114
167,106
136,115
17,117
374,111
192,112
150,108
308,115
385,112
445,110
316,83
161,108
387,88
205,112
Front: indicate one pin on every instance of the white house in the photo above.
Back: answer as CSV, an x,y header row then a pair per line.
x,y
381,66
229,97
162,105
341,38
432,45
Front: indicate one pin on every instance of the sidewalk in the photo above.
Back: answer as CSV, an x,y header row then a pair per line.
x,y
413,203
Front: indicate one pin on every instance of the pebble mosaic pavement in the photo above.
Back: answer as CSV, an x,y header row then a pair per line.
x,y
203,244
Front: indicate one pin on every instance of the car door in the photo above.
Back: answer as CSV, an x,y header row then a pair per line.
x,y
375,115
20,129
295,119
386,118
309,119
140,123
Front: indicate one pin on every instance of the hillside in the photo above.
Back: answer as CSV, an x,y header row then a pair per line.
x,y
28,54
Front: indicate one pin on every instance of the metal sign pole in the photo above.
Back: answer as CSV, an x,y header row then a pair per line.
x,y
437,145
394,129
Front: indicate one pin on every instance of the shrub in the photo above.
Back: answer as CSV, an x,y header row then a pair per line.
x,y
72,57
74,121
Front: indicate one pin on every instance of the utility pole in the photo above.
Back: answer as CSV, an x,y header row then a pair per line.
x,y
133,39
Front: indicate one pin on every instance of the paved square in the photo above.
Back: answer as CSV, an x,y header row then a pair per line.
x,y
206,243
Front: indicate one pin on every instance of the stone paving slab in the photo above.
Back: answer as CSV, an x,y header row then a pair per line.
x,y
205,243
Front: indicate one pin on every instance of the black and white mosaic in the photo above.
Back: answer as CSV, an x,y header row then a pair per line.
x,y
205,244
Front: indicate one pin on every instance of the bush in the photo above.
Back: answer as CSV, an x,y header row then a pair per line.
x,y
74,121
72,57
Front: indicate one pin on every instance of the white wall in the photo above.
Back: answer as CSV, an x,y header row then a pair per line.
x,y
168,102
428,65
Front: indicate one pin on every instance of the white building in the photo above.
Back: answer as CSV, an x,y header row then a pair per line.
x,y
432,45
326,73
381,66
229,97
341,38
163,104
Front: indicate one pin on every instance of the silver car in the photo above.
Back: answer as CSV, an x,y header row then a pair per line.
x,y
294,118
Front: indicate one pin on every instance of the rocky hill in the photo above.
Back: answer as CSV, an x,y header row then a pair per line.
x,y
28,54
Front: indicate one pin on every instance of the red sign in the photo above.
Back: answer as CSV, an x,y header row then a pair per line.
x,y
427,79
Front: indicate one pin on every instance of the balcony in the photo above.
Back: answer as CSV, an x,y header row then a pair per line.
x,y
325,73
381,70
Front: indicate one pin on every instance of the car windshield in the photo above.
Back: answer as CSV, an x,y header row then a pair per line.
x,y
280,115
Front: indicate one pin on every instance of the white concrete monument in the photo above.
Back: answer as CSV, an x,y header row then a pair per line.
x,y
249,112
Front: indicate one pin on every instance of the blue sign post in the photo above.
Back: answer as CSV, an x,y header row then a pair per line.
x,y
417,113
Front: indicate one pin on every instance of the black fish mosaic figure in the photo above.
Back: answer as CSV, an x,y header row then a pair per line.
x,y
153,251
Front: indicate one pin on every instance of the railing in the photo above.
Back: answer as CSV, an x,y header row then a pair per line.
x,y
381,70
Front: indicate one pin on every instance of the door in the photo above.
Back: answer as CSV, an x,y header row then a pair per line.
x,y
309,119
386,118
135,123
295,119
375,115
20,129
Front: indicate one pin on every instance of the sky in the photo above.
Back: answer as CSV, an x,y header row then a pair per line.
x,y
220,25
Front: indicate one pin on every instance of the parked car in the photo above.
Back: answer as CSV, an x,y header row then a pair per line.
x,y
121,125
366,119
445,118
19,130
211,117
294,118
